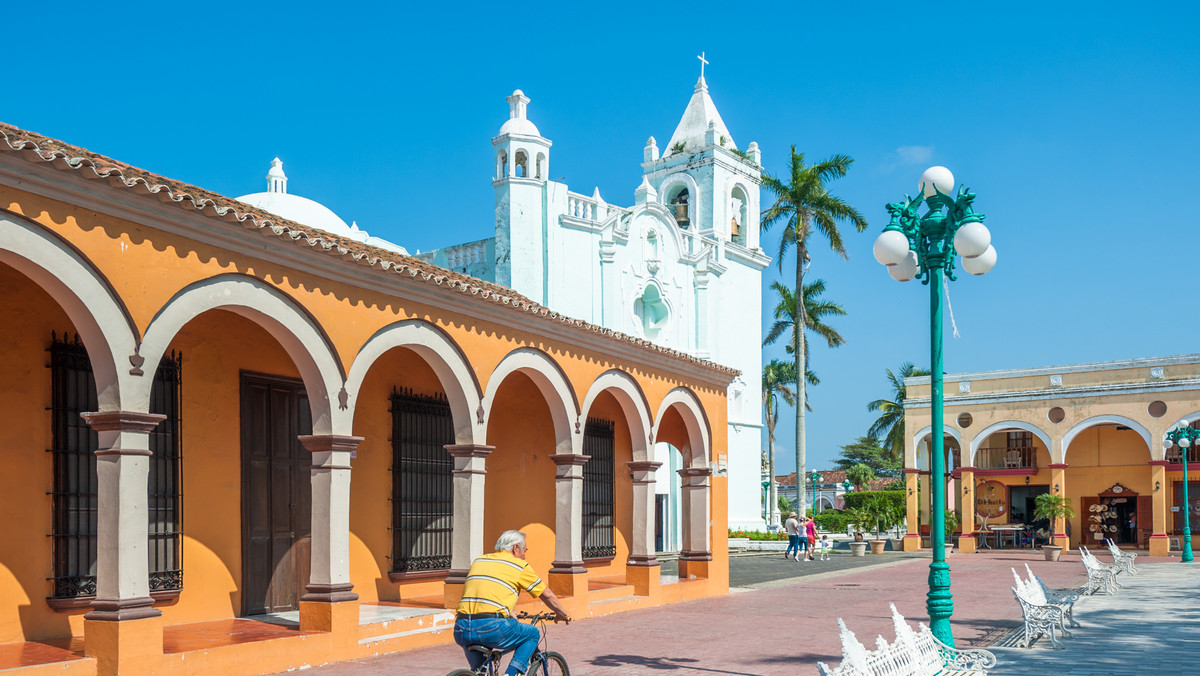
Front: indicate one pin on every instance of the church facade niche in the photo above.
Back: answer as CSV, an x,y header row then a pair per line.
x,y
540,166
653,312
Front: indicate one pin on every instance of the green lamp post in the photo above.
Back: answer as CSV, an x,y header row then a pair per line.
x,y
1185,437
926,246
847,486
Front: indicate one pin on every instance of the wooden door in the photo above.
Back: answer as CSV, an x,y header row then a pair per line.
x,y
276,493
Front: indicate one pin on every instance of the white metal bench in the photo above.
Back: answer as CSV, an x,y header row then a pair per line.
x,y
912,653
1054,596
1040,617
1123,560
1101,577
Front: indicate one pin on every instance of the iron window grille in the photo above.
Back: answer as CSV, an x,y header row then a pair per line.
x,y
75,489
598,438
422,483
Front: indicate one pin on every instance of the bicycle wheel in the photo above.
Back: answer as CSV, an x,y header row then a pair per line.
x,y
461,672
555,665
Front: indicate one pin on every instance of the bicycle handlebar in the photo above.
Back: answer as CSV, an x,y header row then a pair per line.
x,y
540,617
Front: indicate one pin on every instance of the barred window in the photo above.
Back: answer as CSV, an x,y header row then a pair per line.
x,y
598,490
76,488
422,483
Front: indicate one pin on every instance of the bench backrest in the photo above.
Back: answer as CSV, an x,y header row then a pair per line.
x,y
1031,589
912,653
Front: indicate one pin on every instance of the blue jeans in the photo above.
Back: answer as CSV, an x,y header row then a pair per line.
x,y
793,545
502,633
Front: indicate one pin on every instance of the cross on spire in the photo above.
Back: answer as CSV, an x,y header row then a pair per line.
x,y
703,63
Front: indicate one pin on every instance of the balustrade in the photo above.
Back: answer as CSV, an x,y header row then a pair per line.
x,y
1006,458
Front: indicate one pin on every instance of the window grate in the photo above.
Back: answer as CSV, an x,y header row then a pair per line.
x,y
76,488
422,482
598,438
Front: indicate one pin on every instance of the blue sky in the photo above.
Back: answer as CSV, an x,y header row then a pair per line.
x,y
1074,122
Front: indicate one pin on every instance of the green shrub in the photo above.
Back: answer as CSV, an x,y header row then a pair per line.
x,y
758,535
832,521
858,499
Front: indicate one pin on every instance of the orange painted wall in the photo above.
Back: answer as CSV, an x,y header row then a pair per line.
x,y
27,316
519,489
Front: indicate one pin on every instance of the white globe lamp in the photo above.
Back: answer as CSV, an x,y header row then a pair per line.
x,y
972,240
981,264
891,247
906,269
939,177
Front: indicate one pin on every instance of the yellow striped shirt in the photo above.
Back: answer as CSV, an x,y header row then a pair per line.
x,y
494,582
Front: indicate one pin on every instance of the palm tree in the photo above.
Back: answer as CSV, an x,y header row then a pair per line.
x,y
802,204
890,424
816,310
777,377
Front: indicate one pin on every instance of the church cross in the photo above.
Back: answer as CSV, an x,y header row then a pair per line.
x,y
703,63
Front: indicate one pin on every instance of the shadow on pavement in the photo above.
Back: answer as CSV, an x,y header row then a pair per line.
x,y
685,664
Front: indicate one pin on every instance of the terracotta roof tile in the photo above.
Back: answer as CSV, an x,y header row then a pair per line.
x,y
38,148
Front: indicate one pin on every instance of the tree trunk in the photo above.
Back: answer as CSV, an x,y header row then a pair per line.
x,y
801,382
772,500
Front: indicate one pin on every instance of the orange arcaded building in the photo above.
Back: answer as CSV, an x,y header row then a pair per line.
x,y
216,415
1094,433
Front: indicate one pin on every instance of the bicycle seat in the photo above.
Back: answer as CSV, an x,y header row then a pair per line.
x,y
484,650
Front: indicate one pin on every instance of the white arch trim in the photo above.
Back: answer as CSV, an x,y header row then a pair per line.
x,y
633,404
1100,420
1010,425
550,382
928,431
441,354
281,316
96,312
700,452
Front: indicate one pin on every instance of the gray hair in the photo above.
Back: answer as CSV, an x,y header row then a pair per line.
x,y
509,539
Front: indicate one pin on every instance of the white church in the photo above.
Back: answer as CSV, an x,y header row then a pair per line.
x,y
681,267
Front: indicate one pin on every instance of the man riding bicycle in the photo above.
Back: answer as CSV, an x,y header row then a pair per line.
x,y
484,615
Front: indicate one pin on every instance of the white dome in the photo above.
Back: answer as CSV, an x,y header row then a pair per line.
x,y
307,212
299,209
518,122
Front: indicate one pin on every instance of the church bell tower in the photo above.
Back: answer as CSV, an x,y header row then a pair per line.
x,y
522,166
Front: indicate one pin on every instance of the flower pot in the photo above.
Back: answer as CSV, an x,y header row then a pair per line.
x,y
858,549
877,546
897,544
1052,552
949,548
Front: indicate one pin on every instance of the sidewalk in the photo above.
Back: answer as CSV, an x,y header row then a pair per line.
x,y
782,627
1150,626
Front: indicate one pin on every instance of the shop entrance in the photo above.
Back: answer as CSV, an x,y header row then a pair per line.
x,y
1118,514
1021,499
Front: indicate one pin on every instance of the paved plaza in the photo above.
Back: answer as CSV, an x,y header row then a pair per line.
x,y
781,618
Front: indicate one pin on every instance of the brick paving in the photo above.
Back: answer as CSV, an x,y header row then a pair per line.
x,y
782,620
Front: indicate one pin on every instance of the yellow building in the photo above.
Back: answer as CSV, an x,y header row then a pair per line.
x,y
1094,433
214,414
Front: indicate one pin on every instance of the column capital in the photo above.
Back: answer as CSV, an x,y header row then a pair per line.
x,y
912,470
1163,463
123,421
568,459
1057,465
469,450
642,471
324,443
695,471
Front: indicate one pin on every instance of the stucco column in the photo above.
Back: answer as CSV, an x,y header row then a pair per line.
x,y
697,551
926,500
912,535
966,541
470,469
123,628
330,604
702,324
1160,542
642,570
568,577
605,301
1058,486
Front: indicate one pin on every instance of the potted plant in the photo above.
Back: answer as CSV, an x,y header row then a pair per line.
x,y
1052,507
951,524
876,511
859,516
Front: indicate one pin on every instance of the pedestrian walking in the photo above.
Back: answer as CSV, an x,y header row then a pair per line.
x,y
810,532
826,546
792,526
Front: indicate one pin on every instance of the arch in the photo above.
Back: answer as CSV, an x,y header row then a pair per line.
x,y
554,386
442,354
739,207
95,309
286,320
928,431
698,453
1008,424
672,184
1101,420
541,168
633,404
521,164
823,503
501,164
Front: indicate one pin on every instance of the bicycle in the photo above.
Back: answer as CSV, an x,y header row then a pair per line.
x,y
543,663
